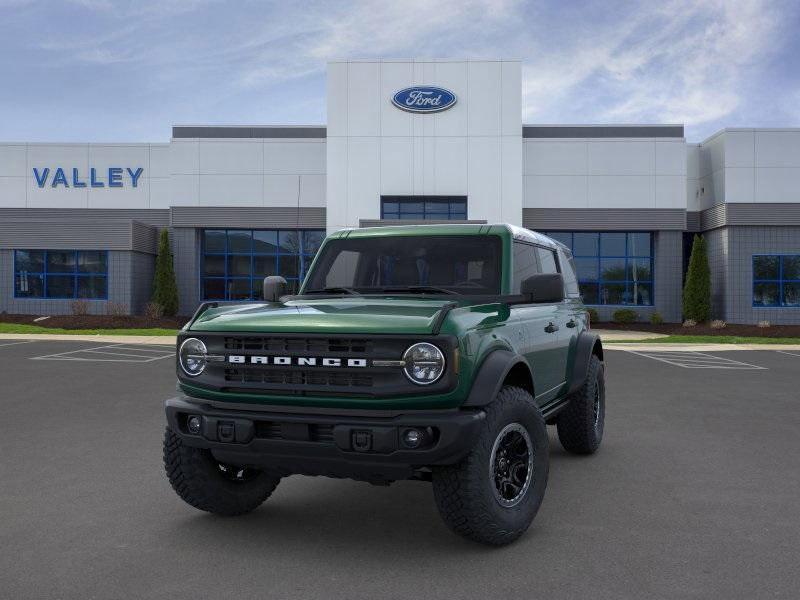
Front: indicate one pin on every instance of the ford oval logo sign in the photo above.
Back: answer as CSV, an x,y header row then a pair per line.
x,y
424,99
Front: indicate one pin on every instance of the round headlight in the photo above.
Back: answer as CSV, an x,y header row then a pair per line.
x,y
424,363
192,357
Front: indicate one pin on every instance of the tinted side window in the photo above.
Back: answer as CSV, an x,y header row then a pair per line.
x,y
568,272
547,260
526,263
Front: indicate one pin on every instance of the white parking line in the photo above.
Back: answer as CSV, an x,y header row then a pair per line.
x,y
789,353
125,352
697,360
16,343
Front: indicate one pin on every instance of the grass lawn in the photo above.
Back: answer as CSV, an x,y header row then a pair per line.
x,y
712,339
17,328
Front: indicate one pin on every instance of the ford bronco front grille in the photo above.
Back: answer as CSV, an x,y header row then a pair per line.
x,y
339,346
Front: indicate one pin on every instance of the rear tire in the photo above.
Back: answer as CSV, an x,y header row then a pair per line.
x,y
204,483
581,423
494,493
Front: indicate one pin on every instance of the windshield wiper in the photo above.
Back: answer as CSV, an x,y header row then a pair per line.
x,y
417,289
334,290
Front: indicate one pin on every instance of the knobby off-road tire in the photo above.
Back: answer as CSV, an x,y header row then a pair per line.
x,y
204,483
467,493
580,424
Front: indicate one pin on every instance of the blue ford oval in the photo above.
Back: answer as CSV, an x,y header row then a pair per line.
x,y
424,99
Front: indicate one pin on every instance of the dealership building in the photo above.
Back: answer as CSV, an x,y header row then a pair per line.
x,y
411,141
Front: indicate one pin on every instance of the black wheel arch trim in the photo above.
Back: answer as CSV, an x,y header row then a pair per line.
x,y
491,375
588,344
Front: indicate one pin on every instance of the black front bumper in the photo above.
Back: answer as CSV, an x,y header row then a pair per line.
x,y
365,446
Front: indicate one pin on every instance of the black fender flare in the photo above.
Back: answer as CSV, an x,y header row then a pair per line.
x,y
490,376
587,342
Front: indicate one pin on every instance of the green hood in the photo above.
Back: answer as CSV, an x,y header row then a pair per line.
x,y
327,315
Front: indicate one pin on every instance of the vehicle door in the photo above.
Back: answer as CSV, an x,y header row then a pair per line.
x,y
538,331
575,311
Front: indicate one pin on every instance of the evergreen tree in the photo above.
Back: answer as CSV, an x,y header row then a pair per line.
x,y
697,290
165,288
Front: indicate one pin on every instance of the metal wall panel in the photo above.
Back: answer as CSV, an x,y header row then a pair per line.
x,y
69,234
315,132
150,216
144,238
255,217
391,222
602,131
604,219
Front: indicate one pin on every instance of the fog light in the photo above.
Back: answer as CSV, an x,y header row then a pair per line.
x,y
413,438
193,424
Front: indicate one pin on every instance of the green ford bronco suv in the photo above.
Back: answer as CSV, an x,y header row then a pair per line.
x,y
436,353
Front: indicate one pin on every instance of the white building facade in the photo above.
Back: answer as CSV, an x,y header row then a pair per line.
x,y
80,221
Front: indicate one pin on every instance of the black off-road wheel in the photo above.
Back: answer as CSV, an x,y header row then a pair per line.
x,y
494,493
208,485
580,425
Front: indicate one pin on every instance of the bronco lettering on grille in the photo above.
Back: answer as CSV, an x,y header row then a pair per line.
x,y
300,361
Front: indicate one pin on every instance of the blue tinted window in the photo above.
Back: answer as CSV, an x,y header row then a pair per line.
x,y
776,280
67,274
424,208
612,267
235,261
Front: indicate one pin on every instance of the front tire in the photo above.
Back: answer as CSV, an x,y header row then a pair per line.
x,y
211,486
581,423
494,493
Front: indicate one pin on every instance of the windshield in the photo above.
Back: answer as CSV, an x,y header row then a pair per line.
x,y
452,264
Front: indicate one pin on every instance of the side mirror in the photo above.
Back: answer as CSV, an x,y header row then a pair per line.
x,y
274,288
544,288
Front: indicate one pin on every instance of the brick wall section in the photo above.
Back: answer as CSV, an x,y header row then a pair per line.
x,y
743,243
186,254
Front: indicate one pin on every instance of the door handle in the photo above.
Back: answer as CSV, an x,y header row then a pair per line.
x,y
571,323
551,328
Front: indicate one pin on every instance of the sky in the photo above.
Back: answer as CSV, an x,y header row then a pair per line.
x,y
126,71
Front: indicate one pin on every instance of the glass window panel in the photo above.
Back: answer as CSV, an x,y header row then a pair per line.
x,y
437,216
791,267
92,261
638,244
214,289
289,266
60,286
29,286
765,267
589,292
562,236
791,294
292,285
265,242
547,260
391,216
640,294
586,244
289,242
612,244
458,206
412,207
458,216
238,289
312,240
526,263
214,240
239,241
264,265
412,216
60,261
766,294
214,265
238,266
437,207
30,260
612,293
391,207
612,269
588,269
92,286
639,269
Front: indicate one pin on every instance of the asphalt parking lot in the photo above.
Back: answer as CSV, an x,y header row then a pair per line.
x,y
694,494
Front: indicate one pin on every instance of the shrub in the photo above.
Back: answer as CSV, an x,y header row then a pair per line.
x,y
690,323
79,308
624,315
153,311
697,290
718,324
656,318
116,309
593,316
764,324
165,288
